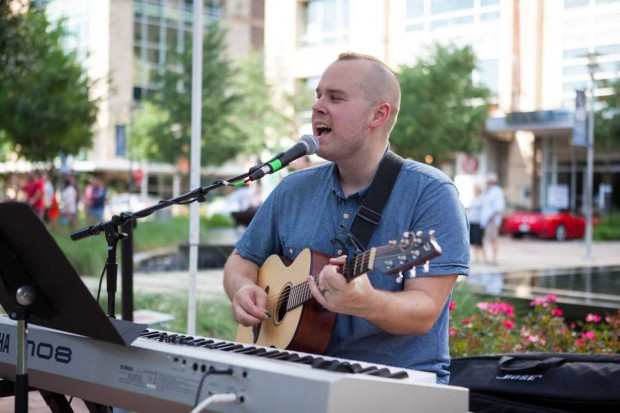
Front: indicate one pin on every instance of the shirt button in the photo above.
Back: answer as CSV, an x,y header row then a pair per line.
x,y
346,216
290,251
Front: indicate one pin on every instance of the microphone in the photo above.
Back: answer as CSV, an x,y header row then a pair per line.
x,y
307,145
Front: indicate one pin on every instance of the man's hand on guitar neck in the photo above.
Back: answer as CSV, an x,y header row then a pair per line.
x,y
333,292
411,311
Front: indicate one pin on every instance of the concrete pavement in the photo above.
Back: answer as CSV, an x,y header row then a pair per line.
x,y
535,254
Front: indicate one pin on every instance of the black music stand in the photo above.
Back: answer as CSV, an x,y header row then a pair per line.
x,y
38,285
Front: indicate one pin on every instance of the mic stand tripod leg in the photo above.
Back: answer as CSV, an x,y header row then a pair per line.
x,y
97,408
112,237
24,296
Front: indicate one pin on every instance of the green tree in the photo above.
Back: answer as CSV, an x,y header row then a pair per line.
x,y
257,113
163,126
607,120
45,104
11,40
442,110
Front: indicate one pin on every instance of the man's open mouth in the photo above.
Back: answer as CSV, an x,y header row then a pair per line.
x,y
322,129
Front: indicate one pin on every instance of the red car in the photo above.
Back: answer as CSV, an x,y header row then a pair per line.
x,y
557,224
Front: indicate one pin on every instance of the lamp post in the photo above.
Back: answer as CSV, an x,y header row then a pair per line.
x,y
590,165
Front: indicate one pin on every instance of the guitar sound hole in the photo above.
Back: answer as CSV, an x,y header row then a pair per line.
x,y
280,312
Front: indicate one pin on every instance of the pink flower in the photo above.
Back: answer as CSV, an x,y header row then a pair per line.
x,y
589,335
497,308
552,298
532,338
579,342
556,312
452,305
593,318
452,332
539,301
508,324
467,321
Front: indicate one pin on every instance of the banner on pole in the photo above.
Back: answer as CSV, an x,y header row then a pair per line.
x,y
121,140
580,137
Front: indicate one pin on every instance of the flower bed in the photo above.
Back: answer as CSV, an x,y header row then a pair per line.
x,y
494,328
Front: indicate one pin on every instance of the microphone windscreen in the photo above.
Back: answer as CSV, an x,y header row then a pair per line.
x,y
311,142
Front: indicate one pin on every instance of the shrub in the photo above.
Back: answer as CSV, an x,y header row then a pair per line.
x,y
494,328
608,228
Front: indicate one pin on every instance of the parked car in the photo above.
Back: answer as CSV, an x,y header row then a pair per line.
x,y
557,224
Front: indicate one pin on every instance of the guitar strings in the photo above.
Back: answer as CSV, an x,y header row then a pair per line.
x,y
303,289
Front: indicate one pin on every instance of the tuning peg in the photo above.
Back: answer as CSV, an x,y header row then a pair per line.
x,y
427,265
400,277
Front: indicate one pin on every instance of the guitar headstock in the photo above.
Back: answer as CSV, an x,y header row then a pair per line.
x,y
410,251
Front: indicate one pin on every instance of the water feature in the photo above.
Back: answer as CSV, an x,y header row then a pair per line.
x,y
578,290
211,254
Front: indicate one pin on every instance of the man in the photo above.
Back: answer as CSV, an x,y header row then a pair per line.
x,y
35,193
379,320
95,198
493,205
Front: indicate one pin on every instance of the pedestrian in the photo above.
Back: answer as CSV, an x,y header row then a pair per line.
x,y
476,232
378,319
69,200
35,192
53,212
95,198
48,196
493,206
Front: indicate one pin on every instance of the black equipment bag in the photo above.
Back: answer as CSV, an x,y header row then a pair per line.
x,y
539,382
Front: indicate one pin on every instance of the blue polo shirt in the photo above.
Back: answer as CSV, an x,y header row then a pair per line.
x,y
308,209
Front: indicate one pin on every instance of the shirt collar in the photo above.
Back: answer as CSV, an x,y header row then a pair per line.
x,y
336,188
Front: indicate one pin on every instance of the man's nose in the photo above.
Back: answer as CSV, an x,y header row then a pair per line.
x,y
318,106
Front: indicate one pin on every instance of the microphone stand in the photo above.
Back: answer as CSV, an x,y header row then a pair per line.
x,y
112,234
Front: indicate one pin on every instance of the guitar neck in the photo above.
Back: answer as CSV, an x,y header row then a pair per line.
x,y
412,250
360,264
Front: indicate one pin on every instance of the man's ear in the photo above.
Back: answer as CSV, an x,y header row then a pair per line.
x,y
380,114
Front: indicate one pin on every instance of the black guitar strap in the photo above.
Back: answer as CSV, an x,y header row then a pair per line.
x,y
369,215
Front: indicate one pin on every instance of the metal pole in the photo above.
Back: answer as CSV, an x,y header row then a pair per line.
x,y
194,223
590,164
127,271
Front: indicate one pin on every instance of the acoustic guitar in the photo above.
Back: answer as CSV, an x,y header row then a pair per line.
x,y
298,322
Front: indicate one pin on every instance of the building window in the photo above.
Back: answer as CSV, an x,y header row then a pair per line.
x,y
455,21
443,6
488,71
576,53
569,4
447,14
494,15
609,49
325,22
415,8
